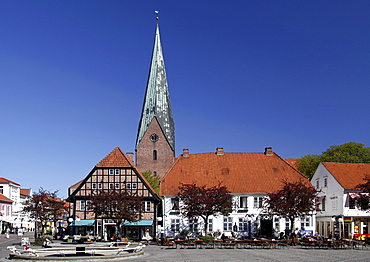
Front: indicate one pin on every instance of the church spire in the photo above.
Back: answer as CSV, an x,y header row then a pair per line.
x,y
157,99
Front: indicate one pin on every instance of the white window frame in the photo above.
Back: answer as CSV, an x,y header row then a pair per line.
x,y
147,206
82,205
210,224
243,202
193,224
257,202
228,224
175,225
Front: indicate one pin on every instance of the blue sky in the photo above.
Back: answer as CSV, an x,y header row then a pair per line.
x,y
242,75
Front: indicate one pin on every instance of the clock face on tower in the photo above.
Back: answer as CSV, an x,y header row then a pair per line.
x,y
154,137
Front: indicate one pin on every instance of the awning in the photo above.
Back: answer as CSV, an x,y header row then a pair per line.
x,y
83,223
138,223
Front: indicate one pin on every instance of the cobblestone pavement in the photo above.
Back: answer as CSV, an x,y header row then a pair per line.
x,y
154,253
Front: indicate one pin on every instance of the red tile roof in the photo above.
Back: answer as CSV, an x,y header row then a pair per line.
x,y
4,198
239,172
116,158
25,191
4,180
77,184
292,161
349,175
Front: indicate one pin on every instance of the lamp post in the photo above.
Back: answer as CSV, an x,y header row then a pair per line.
x,y
37,216
73,220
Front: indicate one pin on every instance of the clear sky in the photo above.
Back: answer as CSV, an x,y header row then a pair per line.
x,y
242,75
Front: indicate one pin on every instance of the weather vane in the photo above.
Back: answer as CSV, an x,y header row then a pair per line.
x,y
157,12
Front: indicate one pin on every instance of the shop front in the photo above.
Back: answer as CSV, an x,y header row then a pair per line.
x,y
136,230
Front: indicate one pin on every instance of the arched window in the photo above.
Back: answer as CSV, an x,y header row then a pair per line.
x,y
154,154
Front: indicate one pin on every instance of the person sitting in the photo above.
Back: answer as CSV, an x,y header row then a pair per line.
x,y
147,237
46,243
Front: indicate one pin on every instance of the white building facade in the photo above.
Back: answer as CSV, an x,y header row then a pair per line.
x,y
12,217
250,177
339,216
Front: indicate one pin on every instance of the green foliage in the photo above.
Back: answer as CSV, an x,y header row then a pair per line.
x,y
154,181
351,152
40,241
347,153
307,165
207,238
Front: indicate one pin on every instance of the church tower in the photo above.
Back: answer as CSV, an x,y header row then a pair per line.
x,y
155,142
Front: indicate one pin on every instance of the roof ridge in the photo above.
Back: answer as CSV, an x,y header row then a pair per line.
x,y
116,158
7,181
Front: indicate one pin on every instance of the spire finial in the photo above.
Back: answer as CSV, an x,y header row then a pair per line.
x,y
157,12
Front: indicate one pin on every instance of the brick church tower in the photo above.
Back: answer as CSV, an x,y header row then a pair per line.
x,y
155,143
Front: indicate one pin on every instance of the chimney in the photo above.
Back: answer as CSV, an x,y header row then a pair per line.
x,y
220,151
130,156
185,152
268,151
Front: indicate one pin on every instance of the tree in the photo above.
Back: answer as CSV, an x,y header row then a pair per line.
x,y
362,199
307,165
202,201
154,181
351,152
44,206
295,199
119,205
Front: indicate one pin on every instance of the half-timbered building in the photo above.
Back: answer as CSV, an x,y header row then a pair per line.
x,y
115,171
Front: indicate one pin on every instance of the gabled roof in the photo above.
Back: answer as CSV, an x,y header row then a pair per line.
x,y
116,158
4,180
239,172
25,191
77,184
292,161
348,175
5,199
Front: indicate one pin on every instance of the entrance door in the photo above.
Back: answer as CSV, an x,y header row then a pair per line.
x,y
266,227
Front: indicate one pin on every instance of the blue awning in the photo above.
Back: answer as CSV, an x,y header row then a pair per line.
x,y
138,223
83,223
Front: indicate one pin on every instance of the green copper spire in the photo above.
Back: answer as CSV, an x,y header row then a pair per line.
x,y
157,99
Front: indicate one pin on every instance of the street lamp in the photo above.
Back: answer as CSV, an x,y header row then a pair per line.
x,y
72,220
37,216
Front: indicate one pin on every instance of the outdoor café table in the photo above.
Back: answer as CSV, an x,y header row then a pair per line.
x,y
218,242
328,243
179,242
273,243
239,243
198,243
